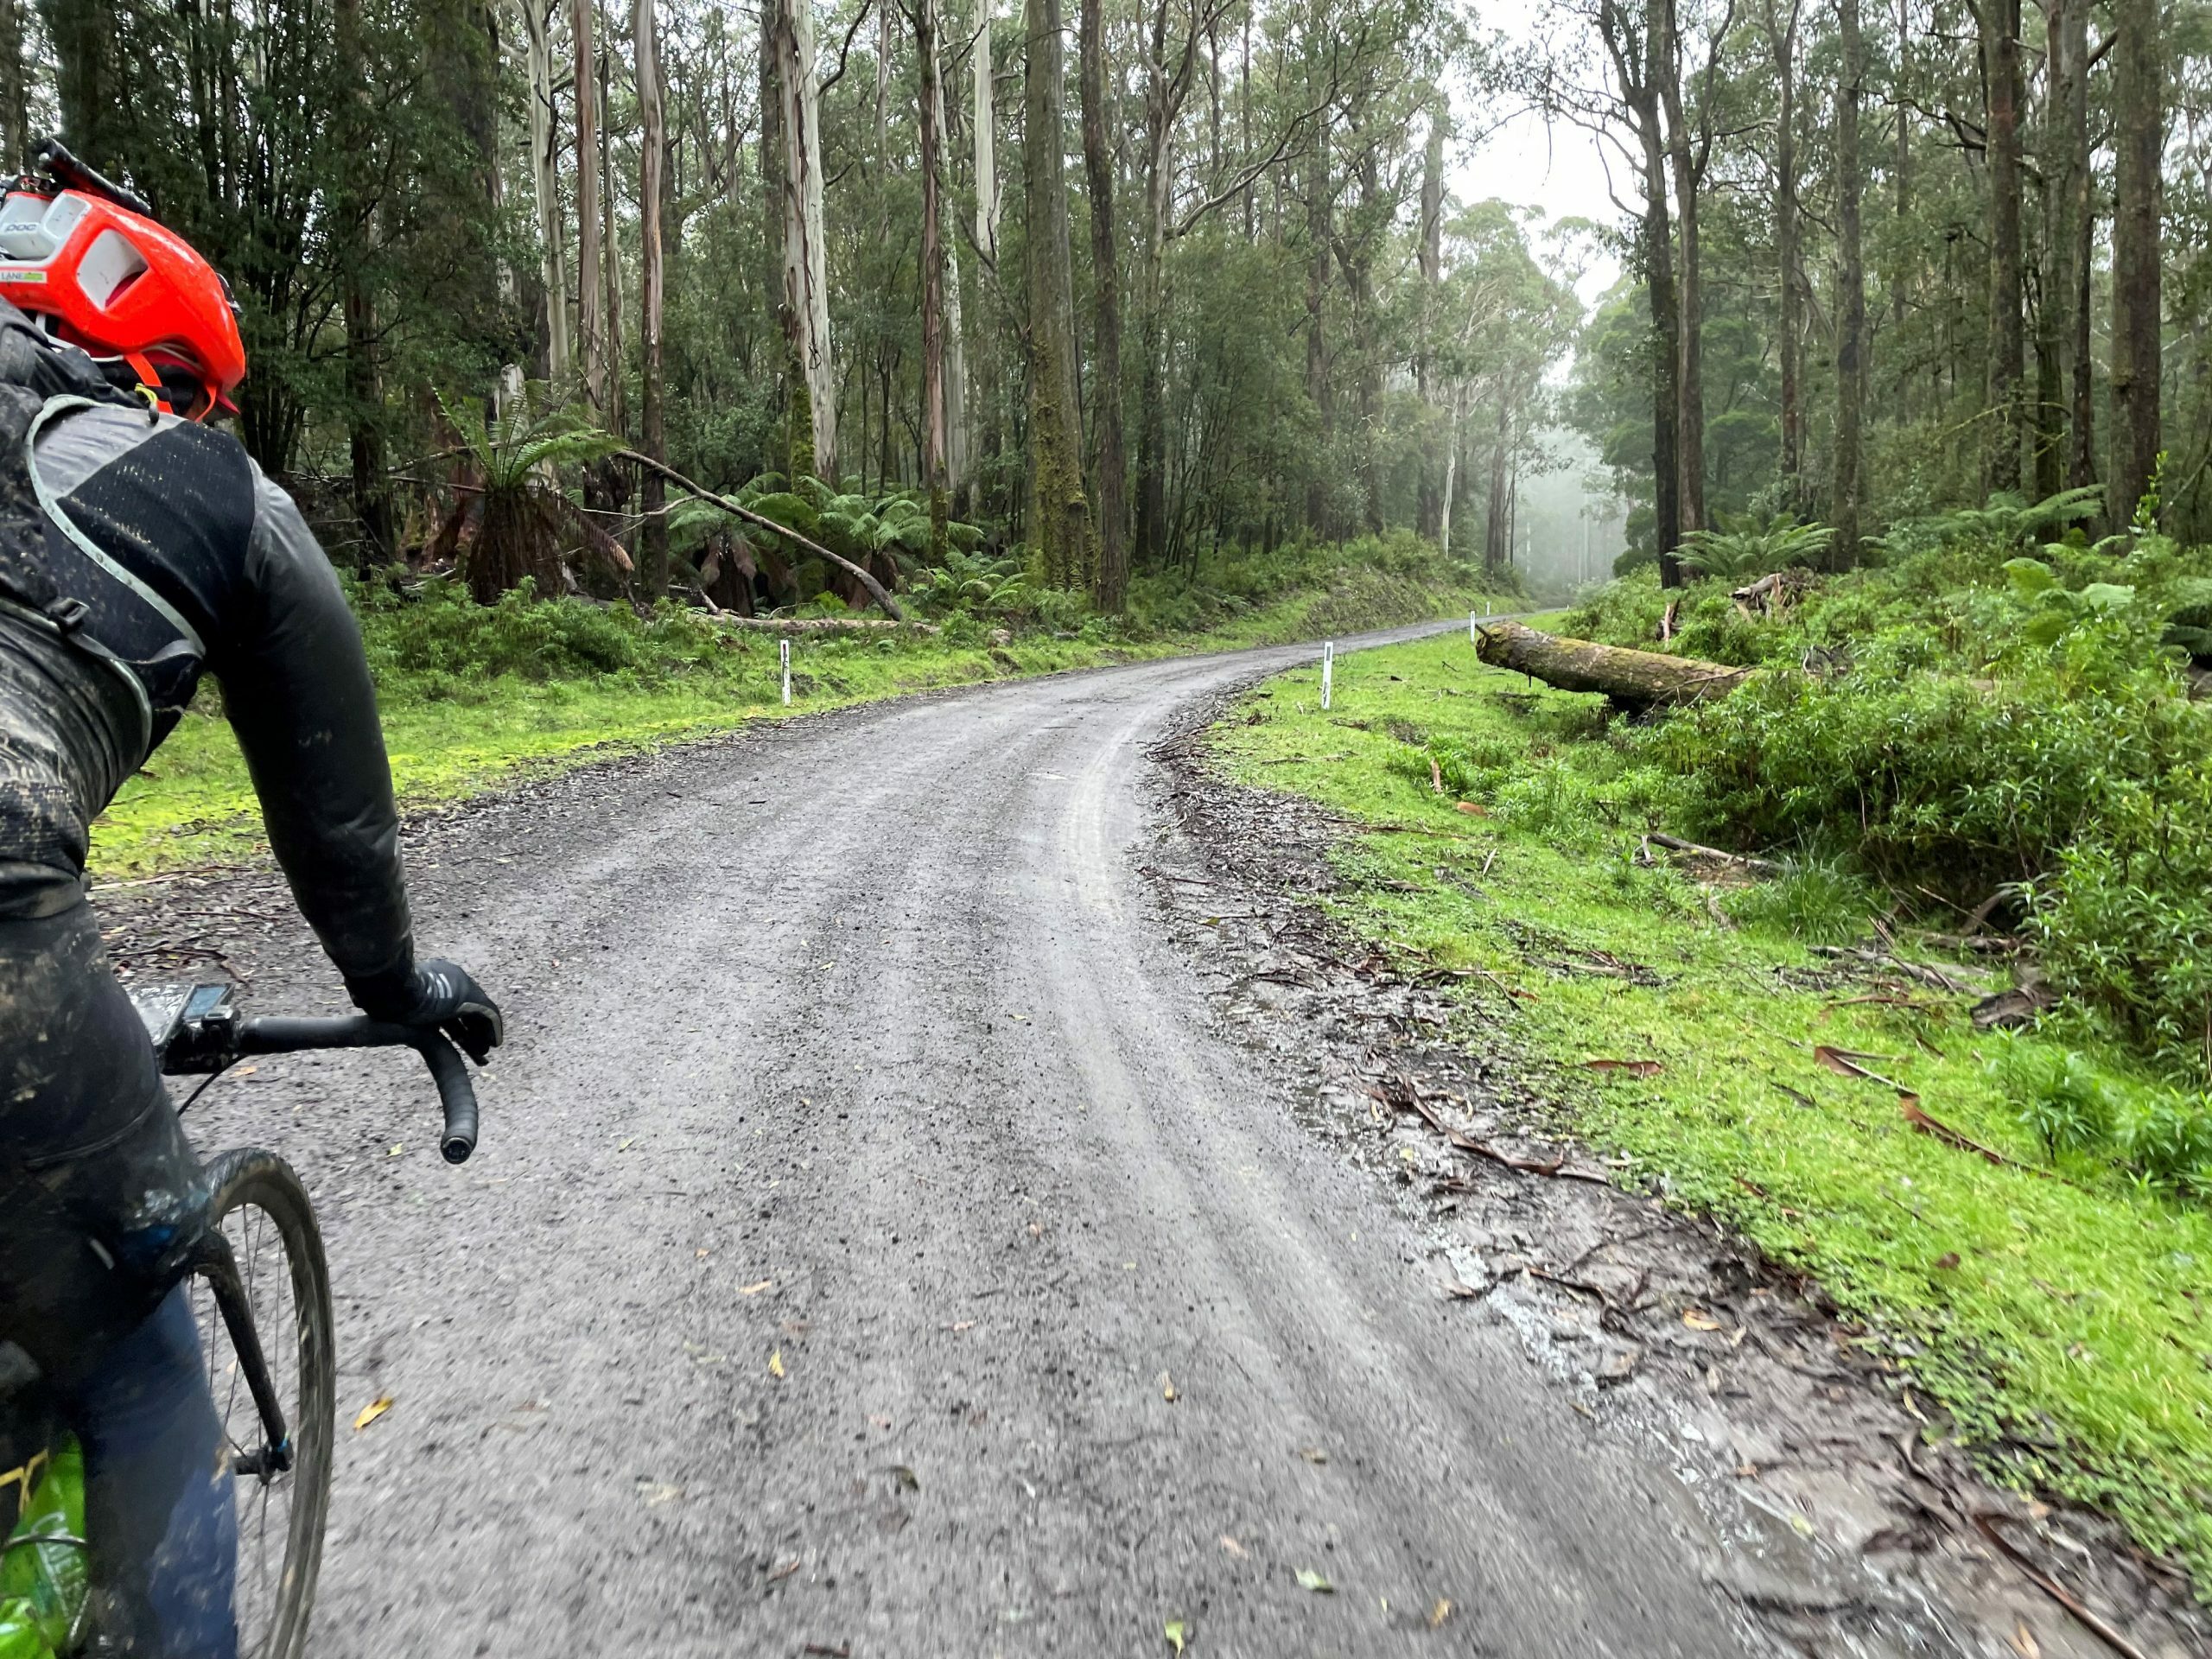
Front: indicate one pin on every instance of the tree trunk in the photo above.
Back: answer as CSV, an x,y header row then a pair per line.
x,y
545,181
1635,679
805,279
1106,303
1497,535
2081,449
1159,103
771,212
88,76
1851,296
934,476
1666,352
1450,472
610,253
1061,530
1689,386
985,123
1782,43
2057,286
2138,100
1359,283
2007,347
14,88
356,226
1907,273
958,443
591,309
1639,53
653,153
1428,506
983,135
1319,202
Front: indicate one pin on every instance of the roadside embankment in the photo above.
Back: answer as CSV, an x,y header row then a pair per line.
x,y
1747,1042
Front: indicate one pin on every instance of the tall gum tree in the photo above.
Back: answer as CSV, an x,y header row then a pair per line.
x,y
1687,156
653,155
805,275
591,292
1851,295
1781,28
2138,100
2056,286
959,441
1636,49
935,393
1060,512
2000,47
1429,508
1112,465
545,187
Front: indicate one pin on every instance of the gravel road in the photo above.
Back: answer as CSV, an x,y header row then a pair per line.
x,y
875,1246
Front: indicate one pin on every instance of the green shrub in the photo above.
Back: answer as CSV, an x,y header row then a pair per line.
x,y
1707,622
2161,1134
1820,902
2125,920
2166,1137
1982,715
2059,1097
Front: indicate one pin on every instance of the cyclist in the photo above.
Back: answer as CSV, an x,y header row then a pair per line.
x,y
140,548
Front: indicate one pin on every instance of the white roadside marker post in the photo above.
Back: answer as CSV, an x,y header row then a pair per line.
x,y
1328,670
786,655
1471,627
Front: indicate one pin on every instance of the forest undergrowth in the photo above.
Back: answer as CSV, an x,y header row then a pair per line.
x,y
2019,1221
477,696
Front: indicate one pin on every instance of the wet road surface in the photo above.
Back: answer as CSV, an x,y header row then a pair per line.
x,y
874,1244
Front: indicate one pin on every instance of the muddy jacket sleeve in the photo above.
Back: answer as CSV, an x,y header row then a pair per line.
x,y
296,685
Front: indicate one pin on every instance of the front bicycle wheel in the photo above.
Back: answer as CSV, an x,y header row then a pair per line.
x,y
264,1212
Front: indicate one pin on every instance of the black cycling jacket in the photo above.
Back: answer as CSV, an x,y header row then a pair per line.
x,y
138,551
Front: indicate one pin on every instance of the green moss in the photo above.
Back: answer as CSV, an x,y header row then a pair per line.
x,y
2064,1324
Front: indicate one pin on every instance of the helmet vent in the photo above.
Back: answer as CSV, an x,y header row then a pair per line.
x,y
32,227
109,266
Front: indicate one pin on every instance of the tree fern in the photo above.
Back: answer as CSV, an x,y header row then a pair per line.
x,y
1740,550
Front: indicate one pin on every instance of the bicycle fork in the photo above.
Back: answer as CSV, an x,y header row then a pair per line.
x,y
215,1261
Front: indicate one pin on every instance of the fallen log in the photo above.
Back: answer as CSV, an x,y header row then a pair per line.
x,y
821,625
1633,679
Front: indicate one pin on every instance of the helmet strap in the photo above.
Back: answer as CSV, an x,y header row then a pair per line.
x,y
148,381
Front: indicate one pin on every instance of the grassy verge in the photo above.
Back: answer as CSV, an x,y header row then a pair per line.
x,y
475,699
2060,1314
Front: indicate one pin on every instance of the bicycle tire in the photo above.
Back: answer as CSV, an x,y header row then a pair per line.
x,y
258,1200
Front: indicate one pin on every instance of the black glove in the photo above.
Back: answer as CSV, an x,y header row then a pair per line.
x,y
441,996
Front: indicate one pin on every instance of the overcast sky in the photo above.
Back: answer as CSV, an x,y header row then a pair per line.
x,y
1557,168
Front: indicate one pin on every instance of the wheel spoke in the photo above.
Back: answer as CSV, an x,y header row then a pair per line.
x,y
287,1304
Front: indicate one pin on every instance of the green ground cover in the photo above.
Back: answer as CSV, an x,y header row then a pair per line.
x,y
473,697
2053,1310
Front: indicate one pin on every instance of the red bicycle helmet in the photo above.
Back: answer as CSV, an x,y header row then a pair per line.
x,y
87,258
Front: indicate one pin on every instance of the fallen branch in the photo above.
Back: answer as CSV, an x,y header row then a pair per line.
x,y
1526,1166
1908,1103
1935,978
1635,679
1694,849
821,625
760,520
1985,1521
